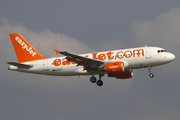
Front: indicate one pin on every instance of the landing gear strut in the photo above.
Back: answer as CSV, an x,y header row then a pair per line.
x,y
151,75
100,82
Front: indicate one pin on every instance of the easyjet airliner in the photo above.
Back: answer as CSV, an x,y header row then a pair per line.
x,y
116,63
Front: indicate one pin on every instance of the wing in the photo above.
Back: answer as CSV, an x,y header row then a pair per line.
x,y
88,63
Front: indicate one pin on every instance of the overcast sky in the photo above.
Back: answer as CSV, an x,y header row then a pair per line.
x,y
87,26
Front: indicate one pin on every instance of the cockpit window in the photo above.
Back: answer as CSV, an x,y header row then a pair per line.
x,y
161,51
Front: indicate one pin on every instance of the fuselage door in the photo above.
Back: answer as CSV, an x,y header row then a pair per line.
x,y
45,65
148,53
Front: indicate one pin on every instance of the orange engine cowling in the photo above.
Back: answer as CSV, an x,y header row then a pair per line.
x,y
124,75
115,67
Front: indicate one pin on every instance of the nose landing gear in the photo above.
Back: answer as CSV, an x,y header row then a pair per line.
x,y
151,75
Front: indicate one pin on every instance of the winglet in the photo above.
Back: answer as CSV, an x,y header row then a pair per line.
x,y
57,51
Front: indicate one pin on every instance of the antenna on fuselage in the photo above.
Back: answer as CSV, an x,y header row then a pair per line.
x,y
145,45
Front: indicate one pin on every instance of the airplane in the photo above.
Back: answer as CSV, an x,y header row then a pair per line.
x,y
114,63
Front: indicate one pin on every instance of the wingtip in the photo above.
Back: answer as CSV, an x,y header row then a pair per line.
x,y
57,51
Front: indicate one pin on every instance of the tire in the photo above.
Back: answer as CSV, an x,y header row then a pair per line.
x,y
151,75
93,79
99,82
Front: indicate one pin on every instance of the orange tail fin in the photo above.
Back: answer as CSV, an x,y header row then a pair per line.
x,y
24,51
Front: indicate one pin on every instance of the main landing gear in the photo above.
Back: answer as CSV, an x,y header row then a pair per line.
x,y
151,75
99,82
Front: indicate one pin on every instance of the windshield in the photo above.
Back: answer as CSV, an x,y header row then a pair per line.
x,y
161,51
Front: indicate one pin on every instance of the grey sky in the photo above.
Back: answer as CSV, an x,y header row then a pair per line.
x,y
85,26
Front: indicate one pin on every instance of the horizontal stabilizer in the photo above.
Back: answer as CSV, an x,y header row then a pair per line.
x,y
19,65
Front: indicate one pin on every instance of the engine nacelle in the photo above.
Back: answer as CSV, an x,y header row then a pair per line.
x,y
125,75
115,67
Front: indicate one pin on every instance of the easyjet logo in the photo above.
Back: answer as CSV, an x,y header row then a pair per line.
x,y
58,62
104,56
119,55
24,46
113,67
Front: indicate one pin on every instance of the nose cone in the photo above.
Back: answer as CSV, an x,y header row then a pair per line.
x,y
171,57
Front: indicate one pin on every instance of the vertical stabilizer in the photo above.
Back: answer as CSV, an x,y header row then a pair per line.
x,y
24,51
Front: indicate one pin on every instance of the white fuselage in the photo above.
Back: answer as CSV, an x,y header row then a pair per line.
x,y
133,58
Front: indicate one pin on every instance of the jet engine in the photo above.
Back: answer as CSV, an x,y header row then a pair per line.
x,y
115,67
123,75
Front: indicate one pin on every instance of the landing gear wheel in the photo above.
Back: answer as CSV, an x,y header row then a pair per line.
x,y
99,82
151,75
93,79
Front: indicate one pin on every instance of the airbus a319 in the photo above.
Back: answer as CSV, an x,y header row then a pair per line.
x,y
115,63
